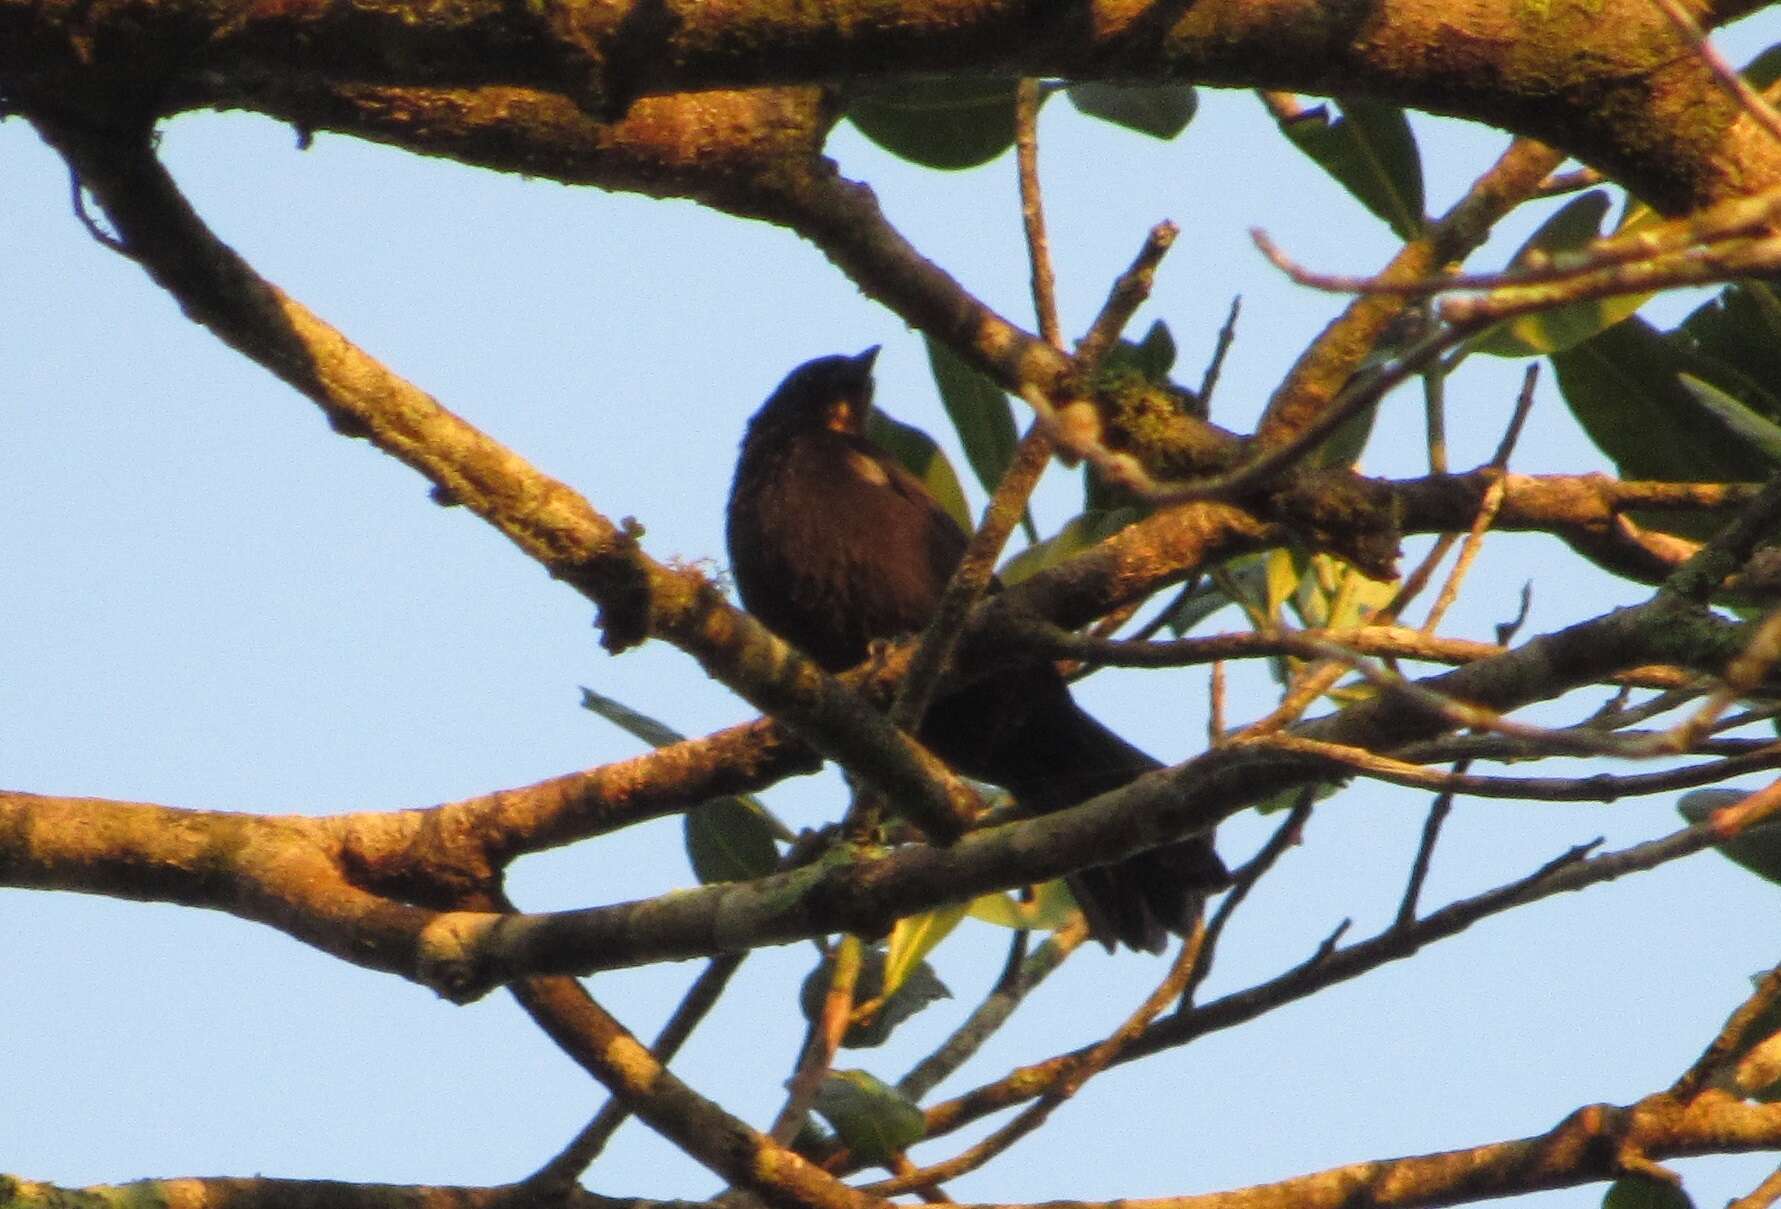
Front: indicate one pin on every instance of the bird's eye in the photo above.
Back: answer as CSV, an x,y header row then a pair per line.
x,y
840,416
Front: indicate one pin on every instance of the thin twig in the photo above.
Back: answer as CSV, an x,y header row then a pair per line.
x,y
1733,1038
1227,335
1425,849
822,1041
586,1146
1762,1196
1488,507
1729,77
1597,787
1572,870
1699,577
1244,880
1032,211
1091,1063
993,1012
1129,292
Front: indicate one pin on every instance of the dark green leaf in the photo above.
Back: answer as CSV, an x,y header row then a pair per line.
x,y
939,123
728,839
920,986
875,1119
1765,69
1758,849
1643,1192
1248,573
1569,230
652,732
1741,327
978,410
1153,356
1371,152
1624,386
924,459
1345,445
1078,535
1160,110
1759,434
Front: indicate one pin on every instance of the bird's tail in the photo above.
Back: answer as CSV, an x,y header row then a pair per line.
x,y
1052,755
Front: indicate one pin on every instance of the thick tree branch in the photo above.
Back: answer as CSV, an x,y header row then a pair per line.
x,y
1639,104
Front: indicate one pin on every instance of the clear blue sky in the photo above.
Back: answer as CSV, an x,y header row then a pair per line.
x,y
212,600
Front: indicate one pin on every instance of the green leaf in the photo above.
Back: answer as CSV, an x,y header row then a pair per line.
x,y
1076,536
978,410
1371,152
1643,1192
1248,573
1051,908
1285,567
1569,230
876,1120
1765,69
913,938
1757,849
1624,386
1285,799
1159,110
918,987
652,732
727,839
918,454
939,123
1153,356
1741,327
1762,435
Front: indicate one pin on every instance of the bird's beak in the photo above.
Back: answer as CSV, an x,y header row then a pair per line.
x,y
848,414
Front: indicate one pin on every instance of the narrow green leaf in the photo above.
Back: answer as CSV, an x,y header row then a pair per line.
x,y
1247,572
1760,435
1741,327
1051,908
1758,849
876,1120
919,987
939,123
727,839
1624,386
652,732
1570,229
978,410
1159,110
913,938
1076,536
1285,568
923,458
1371,152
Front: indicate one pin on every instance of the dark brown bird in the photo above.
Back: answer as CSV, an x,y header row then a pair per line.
x,y
833,545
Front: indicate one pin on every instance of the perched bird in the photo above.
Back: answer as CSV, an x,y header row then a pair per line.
x,y
833,545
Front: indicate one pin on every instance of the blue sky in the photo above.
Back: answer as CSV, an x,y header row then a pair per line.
x,y
212,600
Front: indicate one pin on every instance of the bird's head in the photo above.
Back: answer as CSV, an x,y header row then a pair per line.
x,y
829,392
